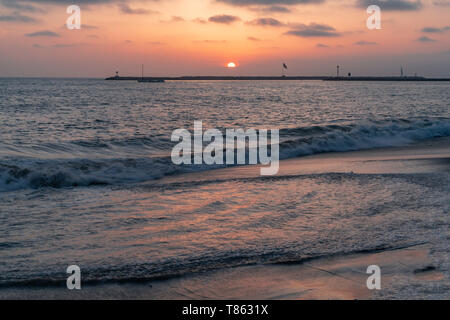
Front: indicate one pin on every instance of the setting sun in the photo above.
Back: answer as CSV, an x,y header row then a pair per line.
x,y
231,65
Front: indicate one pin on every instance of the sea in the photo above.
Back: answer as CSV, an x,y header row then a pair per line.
x,y
85,167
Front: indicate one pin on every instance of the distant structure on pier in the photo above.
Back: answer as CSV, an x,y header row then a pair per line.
x,y
337,71
283,68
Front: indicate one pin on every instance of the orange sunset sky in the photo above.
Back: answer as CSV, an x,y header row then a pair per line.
x,y
200,37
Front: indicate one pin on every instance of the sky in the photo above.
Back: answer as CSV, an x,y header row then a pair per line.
x,y
200,37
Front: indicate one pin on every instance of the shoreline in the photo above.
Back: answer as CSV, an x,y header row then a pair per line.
x,y
341,277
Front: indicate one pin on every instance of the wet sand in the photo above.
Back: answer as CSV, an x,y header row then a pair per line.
x,y
340,277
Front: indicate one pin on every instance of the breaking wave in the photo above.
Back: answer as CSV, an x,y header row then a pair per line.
x,y
24,173
374,134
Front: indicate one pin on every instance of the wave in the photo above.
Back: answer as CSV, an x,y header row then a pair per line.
x,y
24,173
368,135
35,174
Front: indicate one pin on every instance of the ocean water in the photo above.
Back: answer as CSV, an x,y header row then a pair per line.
x,y
78,158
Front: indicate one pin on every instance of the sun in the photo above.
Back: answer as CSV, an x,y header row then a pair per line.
x,y
231,65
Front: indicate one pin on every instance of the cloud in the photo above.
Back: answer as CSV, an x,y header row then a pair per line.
x,y
224,18
34,5
270,22
269,2
60,45
425,39
177,19
392,5
200,20
83,26
365,43
65,45
174,19
321,45
125,8
313,30
436,30
275,9
209,41
67,2
88,26
17,17
43,33
442,3
253,39
23,7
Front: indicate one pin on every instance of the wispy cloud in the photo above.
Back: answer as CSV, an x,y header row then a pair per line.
x,y
174,19
60,45
125,8
392,5
224,18
365,43
313,30
442,3
266,22
65,2
210,41
200,20
273,9
177,19
269,2
65,45
436,30
83,26
17,17
43,33
23,7
88,26
425,39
